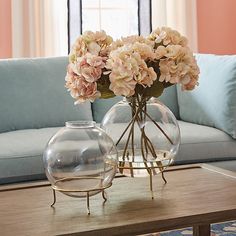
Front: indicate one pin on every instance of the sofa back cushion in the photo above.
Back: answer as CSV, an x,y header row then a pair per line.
x,y
101,106
169,98
33,95
213,102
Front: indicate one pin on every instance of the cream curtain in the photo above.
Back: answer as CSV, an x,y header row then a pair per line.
x,y
39,28
177,14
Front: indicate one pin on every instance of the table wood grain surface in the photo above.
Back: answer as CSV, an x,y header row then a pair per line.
x,y
195,195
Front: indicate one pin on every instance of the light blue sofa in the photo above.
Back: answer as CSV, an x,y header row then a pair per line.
x,y
34,104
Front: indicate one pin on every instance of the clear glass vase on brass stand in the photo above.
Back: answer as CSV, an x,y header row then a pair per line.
x,y
80,160
146,134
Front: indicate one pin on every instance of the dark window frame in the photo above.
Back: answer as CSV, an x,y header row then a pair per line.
x,y
74,23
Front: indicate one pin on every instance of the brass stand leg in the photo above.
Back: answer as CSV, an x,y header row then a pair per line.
x,y
121,165
163,177
104,196
131,169
88,208
54,197
151,188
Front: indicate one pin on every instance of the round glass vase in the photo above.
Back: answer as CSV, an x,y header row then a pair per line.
x,y
80,160
146,134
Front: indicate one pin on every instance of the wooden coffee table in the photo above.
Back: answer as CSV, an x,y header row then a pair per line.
x,y
195,195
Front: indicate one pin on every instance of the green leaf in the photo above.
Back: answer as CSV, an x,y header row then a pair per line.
x,y
155,90
103,87
167,84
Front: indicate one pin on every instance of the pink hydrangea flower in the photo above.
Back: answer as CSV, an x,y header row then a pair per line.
x,y
128,68
80,89
90,67
177,65
168,36
86,91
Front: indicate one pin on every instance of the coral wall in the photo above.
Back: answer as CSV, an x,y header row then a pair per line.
x,y
216,20
5,29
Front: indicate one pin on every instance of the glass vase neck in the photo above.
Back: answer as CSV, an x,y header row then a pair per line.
x,y
80,124
134,99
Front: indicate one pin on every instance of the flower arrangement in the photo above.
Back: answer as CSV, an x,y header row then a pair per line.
x,y
137,68
130,66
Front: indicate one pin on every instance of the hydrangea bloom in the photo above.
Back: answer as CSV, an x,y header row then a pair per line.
x,y
129,66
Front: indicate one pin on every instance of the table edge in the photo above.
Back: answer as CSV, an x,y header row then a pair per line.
x,y
44,183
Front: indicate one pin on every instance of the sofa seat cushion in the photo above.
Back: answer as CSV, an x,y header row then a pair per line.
x,y
21,151
21,154
199,143
202,143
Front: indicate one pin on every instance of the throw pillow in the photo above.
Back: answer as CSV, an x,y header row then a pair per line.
x,y
213,102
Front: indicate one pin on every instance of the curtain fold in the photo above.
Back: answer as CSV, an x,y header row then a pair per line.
x,y
39,28
177,14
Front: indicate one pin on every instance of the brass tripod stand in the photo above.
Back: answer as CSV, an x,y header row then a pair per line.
x,y
87,191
